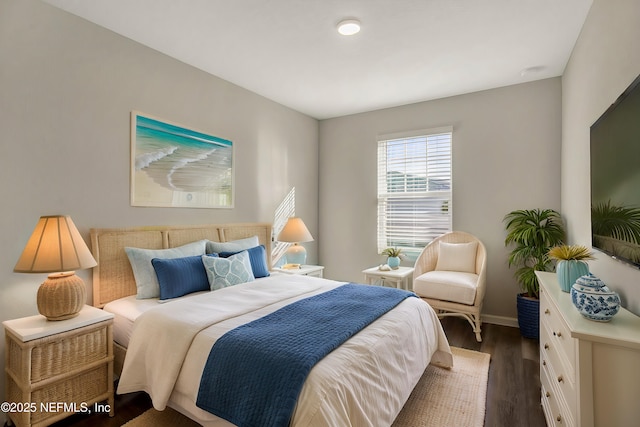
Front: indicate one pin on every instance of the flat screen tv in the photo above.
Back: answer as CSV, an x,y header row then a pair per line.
x,y
615,178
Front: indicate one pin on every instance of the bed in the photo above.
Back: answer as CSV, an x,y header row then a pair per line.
x,y
365,381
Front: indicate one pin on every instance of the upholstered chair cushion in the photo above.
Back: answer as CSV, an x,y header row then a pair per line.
x,y
452,286
457,257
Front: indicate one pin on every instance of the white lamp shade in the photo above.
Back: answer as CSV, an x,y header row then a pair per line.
x,y
55,246
294,231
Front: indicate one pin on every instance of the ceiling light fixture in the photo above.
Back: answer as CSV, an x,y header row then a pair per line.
x,y
349,27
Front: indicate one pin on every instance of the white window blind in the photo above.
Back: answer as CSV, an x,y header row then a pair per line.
x,y
414,189
285,210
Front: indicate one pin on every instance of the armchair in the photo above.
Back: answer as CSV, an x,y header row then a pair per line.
x,y
450,274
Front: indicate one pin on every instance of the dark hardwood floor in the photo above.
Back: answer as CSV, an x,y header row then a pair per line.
x,y
513,392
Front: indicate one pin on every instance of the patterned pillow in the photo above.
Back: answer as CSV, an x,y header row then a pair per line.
x,y
224,272
145,275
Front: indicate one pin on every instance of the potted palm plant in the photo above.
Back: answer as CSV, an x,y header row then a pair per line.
x,y
571,263
531,232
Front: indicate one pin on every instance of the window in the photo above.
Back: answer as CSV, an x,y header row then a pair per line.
x,y
414,188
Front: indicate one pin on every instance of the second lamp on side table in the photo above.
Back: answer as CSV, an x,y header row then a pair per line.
x,y
399,277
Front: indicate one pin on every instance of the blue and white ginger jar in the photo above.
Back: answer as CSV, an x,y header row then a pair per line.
x,y
593,299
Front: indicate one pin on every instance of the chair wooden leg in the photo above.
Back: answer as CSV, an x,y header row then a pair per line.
x,y
473,320
476,327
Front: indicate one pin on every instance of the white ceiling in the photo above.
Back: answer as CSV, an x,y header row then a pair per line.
x,y
408,50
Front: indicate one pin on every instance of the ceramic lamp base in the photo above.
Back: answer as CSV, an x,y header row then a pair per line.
x,y
296,254
61,296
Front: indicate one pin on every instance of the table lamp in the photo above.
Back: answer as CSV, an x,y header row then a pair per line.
x,y
56,247
294,231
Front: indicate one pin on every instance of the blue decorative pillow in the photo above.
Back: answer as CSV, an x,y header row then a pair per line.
x,y
224,272
258,259
180,276
233,246
145,275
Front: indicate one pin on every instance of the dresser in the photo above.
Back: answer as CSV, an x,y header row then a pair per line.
x,y
58,368
589,371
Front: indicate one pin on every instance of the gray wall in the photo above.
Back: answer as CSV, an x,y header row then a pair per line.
x,y
66,91
506,156
605,60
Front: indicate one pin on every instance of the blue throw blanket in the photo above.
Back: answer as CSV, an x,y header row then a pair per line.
x,y
255,372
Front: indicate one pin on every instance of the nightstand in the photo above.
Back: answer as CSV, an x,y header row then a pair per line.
x,y
399,277
58,368
305,270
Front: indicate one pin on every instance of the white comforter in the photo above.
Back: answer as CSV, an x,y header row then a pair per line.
x,y
365,382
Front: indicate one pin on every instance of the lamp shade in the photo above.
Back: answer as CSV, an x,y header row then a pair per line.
x,y
54,246
294,231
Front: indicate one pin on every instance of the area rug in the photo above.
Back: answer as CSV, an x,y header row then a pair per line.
x,y
455,397
442,397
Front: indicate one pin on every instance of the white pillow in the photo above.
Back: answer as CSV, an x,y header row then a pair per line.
x,y
457,257
233,246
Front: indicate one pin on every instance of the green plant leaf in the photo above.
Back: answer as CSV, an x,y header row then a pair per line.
x,y
532,232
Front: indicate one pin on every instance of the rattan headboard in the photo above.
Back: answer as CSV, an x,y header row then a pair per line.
x,y
113,277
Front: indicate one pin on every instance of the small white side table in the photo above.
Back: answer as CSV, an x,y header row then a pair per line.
x,y
399,277
304,270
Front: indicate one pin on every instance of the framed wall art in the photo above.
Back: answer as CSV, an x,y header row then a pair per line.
x,y
172,166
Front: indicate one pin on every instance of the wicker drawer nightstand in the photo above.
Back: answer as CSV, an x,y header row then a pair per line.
x,y
56,369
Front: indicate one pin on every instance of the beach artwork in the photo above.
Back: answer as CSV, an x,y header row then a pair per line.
x,y
172,166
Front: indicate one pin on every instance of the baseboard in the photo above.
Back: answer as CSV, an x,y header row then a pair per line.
x,y
500,320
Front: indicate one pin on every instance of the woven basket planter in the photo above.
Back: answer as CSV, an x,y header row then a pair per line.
x,y
529,316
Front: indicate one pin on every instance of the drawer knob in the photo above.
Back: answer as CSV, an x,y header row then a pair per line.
x,y
544,362
559,418
546,311
559,333
548,394
560,379
546,346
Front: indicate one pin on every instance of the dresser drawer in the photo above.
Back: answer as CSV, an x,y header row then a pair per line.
x,y
559,375
558,331
556,355
555,408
